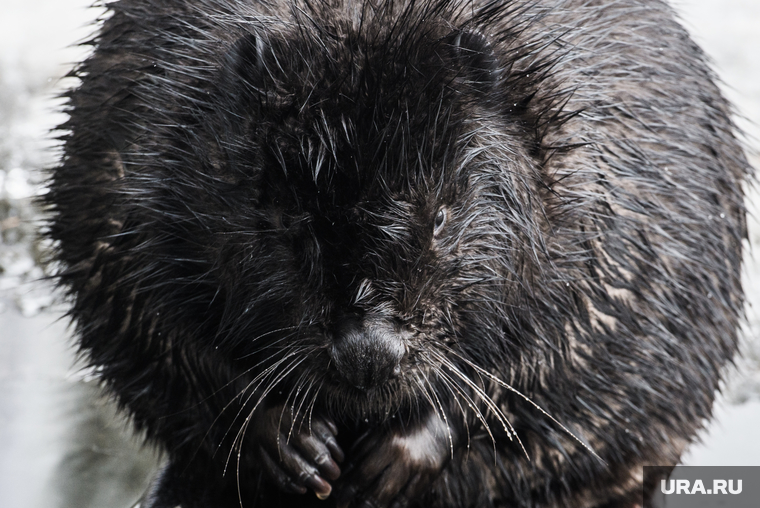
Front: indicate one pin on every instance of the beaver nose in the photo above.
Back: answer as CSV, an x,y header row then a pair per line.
x,y
367,352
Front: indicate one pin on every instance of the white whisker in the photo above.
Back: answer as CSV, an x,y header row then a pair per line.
x,y
528,400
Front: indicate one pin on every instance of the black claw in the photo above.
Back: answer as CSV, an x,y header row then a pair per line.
x,y
327,466
335,449
318,485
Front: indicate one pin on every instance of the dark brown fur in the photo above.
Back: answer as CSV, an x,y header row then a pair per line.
x,y
438,254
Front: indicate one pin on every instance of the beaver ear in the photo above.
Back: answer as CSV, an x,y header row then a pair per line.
x,y
476,57
247,59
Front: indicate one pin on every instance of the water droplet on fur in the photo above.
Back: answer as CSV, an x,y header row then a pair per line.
x,y
723,216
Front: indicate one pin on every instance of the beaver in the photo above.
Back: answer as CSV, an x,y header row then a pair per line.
x,y
401,253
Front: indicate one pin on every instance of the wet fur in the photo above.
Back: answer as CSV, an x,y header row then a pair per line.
x,y
238,177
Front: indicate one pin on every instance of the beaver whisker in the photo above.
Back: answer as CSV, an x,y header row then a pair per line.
x,y
457,394
493,407
296,411
414,403
441,413
266,372
240,436
313,402
490,404
509,387
454,384
423,386
256,381
250,383
295,390
271,344
238,395
238,441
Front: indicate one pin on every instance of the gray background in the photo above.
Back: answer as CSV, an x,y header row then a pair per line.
x,y
60,444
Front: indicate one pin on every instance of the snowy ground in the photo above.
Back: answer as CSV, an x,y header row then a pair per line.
x,y
60,444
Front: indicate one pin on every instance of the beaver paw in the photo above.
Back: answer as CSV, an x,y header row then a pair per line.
x,y
391,468
297,456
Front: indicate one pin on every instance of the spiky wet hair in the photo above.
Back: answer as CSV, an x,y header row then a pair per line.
x,y
238,175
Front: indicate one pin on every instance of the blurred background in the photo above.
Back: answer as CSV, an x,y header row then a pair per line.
x,y
62,445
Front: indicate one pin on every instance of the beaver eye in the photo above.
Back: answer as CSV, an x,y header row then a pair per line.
x,y
440,220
